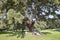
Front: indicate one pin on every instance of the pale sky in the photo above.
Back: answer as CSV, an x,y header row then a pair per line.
x,y
57,12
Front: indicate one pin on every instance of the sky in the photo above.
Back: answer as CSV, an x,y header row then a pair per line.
x,y
57,12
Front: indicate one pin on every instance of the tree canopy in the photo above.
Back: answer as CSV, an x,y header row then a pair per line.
x,y
38,9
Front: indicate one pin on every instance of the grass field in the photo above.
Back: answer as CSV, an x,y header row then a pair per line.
x,y
51,34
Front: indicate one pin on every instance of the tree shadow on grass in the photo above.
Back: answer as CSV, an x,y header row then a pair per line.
x,y
14,33
57,30
22,34
45,33
6,32
18,34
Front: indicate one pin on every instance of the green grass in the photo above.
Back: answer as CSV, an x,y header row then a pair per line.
x,y
46,35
